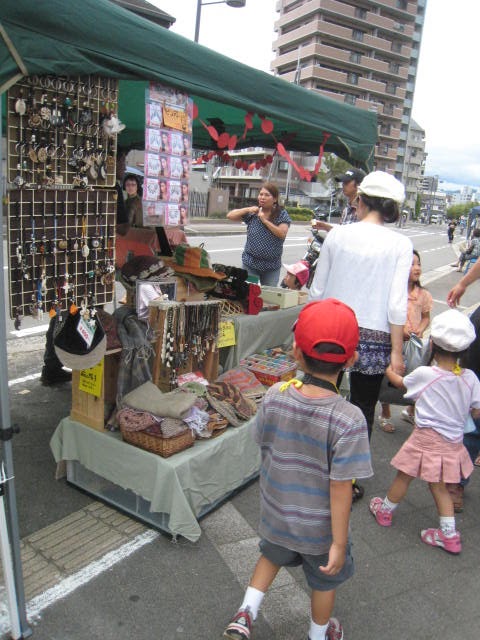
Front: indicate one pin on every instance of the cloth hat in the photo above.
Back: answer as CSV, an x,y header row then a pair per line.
x,y
71,348
452,331
195,260
327,321
380,184
351,174
300,269
143,268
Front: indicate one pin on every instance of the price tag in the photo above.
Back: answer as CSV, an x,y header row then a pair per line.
x,y
86,331
226,334
91,380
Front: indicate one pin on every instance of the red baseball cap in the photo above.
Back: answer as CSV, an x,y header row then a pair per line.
x,y
327,321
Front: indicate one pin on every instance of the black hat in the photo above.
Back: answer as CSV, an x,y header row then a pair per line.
x,y
72,349
351,174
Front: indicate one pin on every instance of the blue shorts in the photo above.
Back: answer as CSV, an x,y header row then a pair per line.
x,y
317,580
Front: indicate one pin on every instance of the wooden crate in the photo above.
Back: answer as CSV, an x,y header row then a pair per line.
x,y
87,408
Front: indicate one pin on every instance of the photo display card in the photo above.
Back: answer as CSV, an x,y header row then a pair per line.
x,y
168,152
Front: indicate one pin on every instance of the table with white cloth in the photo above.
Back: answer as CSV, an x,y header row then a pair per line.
x,y
168,493
255,333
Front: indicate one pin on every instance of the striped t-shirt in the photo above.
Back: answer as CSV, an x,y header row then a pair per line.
x,y
305,443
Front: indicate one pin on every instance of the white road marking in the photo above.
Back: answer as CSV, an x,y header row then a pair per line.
x,y
67,586
33,376
30,331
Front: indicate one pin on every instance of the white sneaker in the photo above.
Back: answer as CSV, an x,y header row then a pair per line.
x,y
406,415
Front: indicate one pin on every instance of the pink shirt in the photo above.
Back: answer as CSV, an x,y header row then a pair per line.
x,y
420,301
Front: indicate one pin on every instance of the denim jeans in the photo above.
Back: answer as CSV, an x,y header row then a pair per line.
x,y
267,278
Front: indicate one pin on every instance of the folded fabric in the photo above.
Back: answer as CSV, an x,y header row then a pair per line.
x,y
243,407
171,427
148,397
133,420
228,400
245,380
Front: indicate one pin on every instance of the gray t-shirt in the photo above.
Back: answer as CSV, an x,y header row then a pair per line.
x,y
305,443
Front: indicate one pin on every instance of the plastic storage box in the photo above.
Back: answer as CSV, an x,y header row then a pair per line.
x,y
271,366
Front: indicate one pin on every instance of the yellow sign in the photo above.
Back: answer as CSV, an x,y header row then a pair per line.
x,y
91,380
226,334
175,118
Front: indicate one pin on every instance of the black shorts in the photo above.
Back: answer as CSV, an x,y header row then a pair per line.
x,y
317,580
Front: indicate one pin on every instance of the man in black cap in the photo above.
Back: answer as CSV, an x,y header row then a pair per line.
x,y
350,181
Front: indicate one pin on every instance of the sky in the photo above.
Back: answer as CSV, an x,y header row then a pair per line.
x,y
445,104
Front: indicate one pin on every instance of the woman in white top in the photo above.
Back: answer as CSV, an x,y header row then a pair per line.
x,y
366,266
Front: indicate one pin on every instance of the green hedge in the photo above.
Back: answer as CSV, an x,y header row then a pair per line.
x,y
299,213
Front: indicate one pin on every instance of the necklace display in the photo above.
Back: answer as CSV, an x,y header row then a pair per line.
x,y
187,334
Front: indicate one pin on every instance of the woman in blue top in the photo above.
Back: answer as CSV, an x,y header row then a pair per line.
x,y
267,228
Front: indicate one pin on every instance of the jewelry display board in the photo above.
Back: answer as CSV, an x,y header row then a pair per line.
x,y
186,340
61,249
61,131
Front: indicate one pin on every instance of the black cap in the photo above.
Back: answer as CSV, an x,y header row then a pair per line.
x,y
351,174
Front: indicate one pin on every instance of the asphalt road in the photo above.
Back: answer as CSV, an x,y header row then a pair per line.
x,y
402,590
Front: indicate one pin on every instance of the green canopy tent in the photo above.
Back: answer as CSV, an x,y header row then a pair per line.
x,y
99,38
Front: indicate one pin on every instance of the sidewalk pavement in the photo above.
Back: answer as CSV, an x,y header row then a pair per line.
x,y
91,572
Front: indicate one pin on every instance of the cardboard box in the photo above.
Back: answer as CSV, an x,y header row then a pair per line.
x,y
283,297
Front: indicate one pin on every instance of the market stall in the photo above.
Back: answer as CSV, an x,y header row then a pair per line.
x,y
234,106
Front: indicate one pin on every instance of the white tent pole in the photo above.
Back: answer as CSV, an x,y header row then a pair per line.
x,y
7,563
6,434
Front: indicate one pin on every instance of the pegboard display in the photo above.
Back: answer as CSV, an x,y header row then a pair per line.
x,y
61,132
61,249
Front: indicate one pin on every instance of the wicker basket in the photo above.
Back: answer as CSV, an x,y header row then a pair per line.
x,y
164,447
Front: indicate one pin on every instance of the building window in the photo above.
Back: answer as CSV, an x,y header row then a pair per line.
x,y
360,13
388,109
356,57
357,35
402,4
385,129
394,67
350,98
352,78
396,46
391,88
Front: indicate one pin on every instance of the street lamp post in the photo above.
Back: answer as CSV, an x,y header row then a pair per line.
x,y
237,4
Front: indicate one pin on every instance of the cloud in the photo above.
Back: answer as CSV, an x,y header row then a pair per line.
x,y
461,166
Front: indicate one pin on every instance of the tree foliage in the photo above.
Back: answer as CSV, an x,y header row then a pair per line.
x,y
458,210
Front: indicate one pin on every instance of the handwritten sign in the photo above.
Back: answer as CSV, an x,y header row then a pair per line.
x,y
91,380
226,334
175,118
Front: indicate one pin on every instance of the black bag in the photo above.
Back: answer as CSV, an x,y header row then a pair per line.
x,y
416,352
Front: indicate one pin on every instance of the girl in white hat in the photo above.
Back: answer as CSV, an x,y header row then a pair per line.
x,y
444,395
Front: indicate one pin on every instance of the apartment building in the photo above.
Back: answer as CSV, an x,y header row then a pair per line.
x,y
414,165
362,52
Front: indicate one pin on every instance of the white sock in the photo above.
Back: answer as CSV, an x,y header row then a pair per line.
x,y
388,505
252,599
447,525
317,631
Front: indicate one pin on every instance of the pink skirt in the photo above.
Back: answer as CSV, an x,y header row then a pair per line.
x,y
428,456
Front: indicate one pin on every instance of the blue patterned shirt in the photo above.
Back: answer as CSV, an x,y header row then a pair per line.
x,y
263,251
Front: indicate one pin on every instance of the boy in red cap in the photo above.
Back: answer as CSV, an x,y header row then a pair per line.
x,y
313,443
